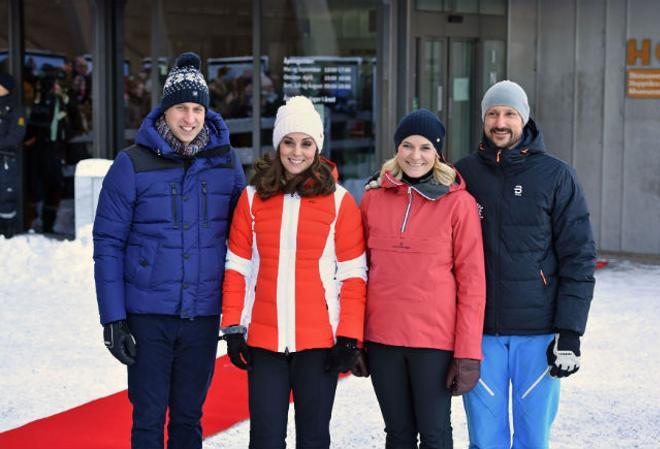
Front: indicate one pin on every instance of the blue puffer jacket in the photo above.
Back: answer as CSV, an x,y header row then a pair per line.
x,y
162,223
539,249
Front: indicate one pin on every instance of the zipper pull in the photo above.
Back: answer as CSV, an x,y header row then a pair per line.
x,y
499,153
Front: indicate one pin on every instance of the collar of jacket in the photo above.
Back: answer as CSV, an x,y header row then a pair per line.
x,y
6,104
531,142
429,189
148,136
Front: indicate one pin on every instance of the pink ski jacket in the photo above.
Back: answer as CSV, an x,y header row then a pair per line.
x,y
426,284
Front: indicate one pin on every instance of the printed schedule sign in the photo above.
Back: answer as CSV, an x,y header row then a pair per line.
x,y
643,83
324,79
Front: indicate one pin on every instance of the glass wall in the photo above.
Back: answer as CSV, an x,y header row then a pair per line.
x,y
58,99
493,7
137,65
220,32
326,50
4,38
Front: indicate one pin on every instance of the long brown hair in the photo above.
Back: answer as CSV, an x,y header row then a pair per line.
x,y
270,178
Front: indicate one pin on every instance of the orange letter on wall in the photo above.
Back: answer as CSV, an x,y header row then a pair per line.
x,y
644,53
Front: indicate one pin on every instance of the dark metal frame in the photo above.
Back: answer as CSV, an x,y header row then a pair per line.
x,y
108,78
16,32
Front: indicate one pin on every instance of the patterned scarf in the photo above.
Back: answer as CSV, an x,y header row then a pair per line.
x,y
199,143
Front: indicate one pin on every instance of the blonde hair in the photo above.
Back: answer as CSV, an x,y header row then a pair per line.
x,y
442,173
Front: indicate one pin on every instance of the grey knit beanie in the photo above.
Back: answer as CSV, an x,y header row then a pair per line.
x,y
506,93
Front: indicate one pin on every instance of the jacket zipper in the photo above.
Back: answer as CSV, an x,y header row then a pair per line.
x,y
407,214
499,249
205,222
290,263
543,278
173,194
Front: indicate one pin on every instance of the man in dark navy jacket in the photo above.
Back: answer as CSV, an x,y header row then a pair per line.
x,y
159,250
540,260
12,131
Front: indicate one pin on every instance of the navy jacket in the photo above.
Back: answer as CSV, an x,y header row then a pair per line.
x,y
162,223
539,249
12,131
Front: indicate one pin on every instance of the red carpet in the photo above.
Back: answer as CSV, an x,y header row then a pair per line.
x,y
106,422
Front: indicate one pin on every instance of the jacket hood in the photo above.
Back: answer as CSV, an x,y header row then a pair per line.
x,y
148,135
429,189
531,143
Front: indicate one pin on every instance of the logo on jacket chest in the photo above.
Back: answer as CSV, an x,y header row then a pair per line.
x,y
480,209
518,190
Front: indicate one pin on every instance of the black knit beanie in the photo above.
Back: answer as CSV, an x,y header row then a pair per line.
x,y
421,122
7,81
185,83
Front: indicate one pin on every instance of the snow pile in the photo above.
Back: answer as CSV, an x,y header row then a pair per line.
x,y
53,356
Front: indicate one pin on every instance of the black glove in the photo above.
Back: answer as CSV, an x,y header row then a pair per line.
x,y
342,355
361,365
564,354
238,351
119,341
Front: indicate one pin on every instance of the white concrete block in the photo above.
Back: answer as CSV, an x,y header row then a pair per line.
x,y
87,187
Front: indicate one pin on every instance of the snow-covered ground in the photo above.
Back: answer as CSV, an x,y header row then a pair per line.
x,y
52,357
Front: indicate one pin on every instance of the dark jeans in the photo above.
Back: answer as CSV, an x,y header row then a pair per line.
x,y
173,369
273,377
410,387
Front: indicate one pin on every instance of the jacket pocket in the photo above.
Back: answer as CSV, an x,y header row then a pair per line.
x,y
173,195
145,264
205,205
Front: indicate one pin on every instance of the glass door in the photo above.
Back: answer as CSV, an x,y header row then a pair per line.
x,y
445,85
461,100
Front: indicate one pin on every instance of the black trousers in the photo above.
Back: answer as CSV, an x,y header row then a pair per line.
x,y
273,377
172,371
410,387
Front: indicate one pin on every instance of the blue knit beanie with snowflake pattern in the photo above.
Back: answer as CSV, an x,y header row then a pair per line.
x,y
185,83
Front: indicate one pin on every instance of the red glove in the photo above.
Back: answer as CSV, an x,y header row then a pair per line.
x,y
463,375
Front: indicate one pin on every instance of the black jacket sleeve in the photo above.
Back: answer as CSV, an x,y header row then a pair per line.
x,y
12,132
576,253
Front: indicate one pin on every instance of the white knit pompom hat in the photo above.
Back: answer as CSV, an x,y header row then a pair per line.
x,y
298,116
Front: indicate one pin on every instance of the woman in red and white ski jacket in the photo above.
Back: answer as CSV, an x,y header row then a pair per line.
x,y
295,283
296,270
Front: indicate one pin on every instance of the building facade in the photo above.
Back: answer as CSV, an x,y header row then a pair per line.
x,y
591,69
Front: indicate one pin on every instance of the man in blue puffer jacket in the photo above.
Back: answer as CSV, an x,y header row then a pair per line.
x,y
540,259
159,250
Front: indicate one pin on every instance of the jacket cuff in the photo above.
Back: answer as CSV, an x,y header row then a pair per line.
x,y
234,330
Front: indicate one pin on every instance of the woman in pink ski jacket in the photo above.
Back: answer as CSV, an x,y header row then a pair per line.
x,y
426,289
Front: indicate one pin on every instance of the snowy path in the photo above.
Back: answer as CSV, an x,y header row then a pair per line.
x,y
52,357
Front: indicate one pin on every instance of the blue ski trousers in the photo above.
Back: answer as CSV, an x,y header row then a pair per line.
x,y
513,367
